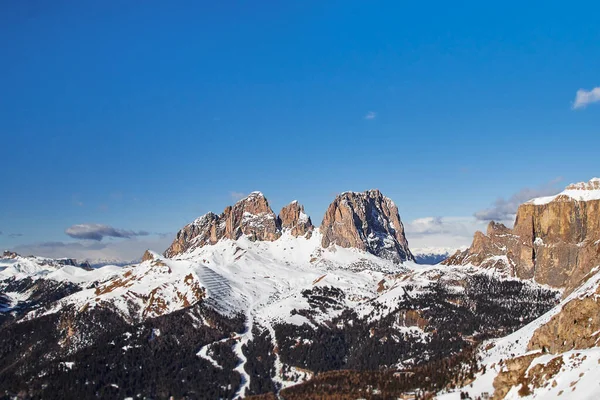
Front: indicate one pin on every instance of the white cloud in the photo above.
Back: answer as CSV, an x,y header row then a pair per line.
x,y
371,115
506,209
585,97
451,232
117,250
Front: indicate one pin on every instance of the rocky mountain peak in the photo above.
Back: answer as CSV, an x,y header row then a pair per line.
x,y
293,218
251,216
9,254
367,221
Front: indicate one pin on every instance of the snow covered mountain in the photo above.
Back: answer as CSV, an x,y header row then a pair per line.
x,y
248,302
554,356
366,221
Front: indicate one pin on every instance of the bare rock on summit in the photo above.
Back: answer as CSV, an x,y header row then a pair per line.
x,y
576,326
489,250
293,218
251,216
555,239
367,221
9,254
207,229
148,256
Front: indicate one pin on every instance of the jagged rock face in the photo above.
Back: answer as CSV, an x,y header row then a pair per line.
x,y
367,221
67,261
293,218
576,326
555,240
86,265
489,250
207,229
559,241
251,216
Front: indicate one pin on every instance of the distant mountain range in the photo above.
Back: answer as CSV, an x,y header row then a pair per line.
x,y
434,255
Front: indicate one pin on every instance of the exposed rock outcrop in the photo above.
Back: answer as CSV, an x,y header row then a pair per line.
x,y
512,375
576,326
148,256
251,216
367,221
519,372
489,250
67,261
293,218
9,254
573,326
555,239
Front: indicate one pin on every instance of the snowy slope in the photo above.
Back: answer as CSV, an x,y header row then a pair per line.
x,y
267,278
149,289
260,279
576,376
47,268
266,282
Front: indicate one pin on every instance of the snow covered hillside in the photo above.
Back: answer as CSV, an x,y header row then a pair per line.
x,y
262,303
554,356
32,282
291,292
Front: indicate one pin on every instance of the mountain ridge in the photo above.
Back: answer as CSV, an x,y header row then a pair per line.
x,y
366,220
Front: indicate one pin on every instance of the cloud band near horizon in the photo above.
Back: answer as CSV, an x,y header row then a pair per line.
x,y
100,231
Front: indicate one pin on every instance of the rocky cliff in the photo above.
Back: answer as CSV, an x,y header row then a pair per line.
x,y
576,326
367,221
293,218
555,239
251,216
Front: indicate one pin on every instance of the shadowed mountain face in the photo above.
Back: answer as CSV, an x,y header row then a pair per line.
x,y
367,221
251,216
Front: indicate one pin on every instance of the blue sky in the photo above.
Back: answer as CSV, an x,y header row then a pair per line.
x,y
143,118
